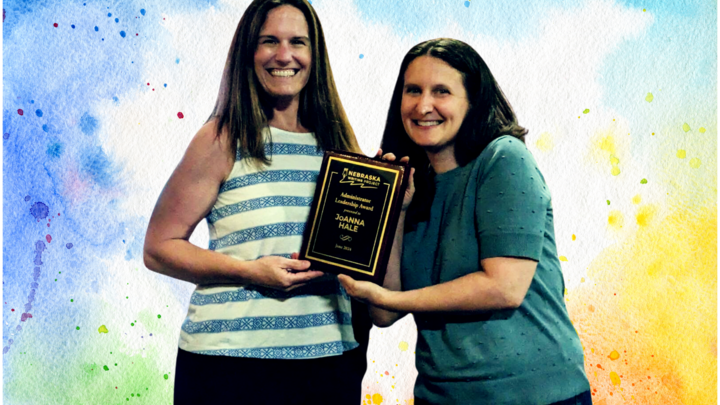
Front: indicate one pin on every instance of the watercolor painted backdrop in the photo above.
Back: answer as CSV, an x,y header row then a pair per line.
x,y
100,99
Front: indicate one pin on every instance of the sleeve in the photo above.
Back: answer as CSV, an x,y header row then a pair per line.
x,y
512,202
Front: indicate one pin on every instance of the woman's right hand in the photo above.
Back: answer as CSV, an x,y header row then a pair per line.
x,y
279,273
410,190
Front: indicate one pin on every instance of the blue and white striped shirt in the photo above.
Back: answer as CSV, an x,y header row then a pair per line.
x,y
262,211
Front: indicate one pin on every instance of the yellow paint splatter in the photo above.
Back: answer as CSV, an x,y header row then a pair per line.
x,y
702,130
585,111
607,143
645,215
616,219
545,142
695,163
615,171
614,355
403,346
563,259
615,378
636,199
574,237
614,160
680,153
686,127
649,97
102,329
377,399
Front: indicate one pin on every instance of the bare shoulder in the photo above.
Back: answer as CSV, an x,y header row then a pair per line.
x,y
210,150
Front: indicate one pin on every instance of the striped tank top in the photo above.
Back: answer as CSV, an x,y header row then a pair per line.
x,y
262,211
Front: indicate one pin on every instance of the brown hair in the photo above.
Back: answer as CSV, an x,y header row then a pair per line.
x,y
241,108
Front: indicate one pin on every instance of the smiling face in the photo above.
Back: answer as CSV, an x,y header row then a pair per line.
x,y
283,54
434,104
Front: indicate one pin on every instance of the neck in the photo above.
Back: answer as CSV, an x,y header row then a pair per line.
x,y
285,115
444,160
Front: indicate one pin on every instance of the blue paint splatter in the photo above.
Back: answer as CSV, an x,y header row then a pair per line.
x,y
165,85
55,150
38,112
115,99
39,210
6,135
117,20
96,164
73,26
362,56
88,124
27,198
467,4
177,60
142,11
109,14
69,245
97,29
46,128
122,34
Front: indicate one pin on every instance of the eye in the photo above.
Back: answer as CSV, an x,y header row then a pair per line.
x,y
299,42
264,41
412,90
442,91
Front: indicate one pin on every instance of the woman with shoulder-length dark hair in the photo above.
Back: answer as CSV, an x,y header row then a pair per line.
x,y
261,328
474,258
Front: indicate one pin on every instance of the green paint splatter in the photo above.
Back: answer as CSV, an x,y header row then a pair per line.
x,y
165,376
71,300
103,329
686,127
105,368
649,97
77,328
159,316
585,111
608,201
643,181
132,324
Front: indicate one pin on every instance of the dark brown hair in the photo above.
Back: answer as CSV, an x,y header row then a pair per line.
x,y
241,106
489,115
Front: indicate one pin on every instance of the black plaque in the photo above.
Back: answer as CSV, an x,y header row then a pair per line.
x,y
354,215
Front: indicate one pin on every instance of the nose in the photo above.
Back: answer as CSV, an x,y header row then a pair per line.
x,y
284,53
424,104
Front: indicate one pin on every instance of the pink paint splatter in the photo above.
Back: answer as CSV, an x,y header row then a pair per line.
x,y
180,115
20,111
48,237
55,25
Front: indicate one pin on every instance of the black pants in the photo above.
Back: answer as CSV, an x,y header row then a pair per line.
x,y
202,379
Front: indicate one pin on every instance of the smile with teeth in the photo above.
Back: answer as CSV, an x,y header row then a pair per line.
x,y
282,72
428,123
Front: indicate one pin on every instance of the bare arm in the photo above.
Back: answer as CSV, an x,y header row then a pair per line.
x,y
502,284
186,199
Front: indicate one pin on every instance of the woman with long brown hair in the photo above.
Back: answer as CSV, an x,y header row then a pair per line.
x,y
262,327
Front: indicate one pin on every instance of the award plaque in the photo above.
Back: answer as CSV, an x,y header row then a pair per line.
x,y
354,215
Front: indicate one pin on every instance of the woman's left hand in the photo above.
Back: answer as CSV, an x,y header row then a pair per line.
x,y
364,291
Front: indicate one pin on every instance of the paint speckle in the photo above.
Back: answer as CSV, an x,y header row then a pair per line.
x,y
695,163
6,135
686,127
643,181
545,142
117,20
614,355
69,245
614,378
585,111
39,113
72,26
165,376
574,237
39,210
636,199
48,238
615,219
180,115
102,329
608,202
142,11
20,111
96,29
615,171
88,124
55,25
105,368
403,346
702,130
649,98
77,328
563,258
159,316
109,14
362,56
680,154
122,34
467,4
377,399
